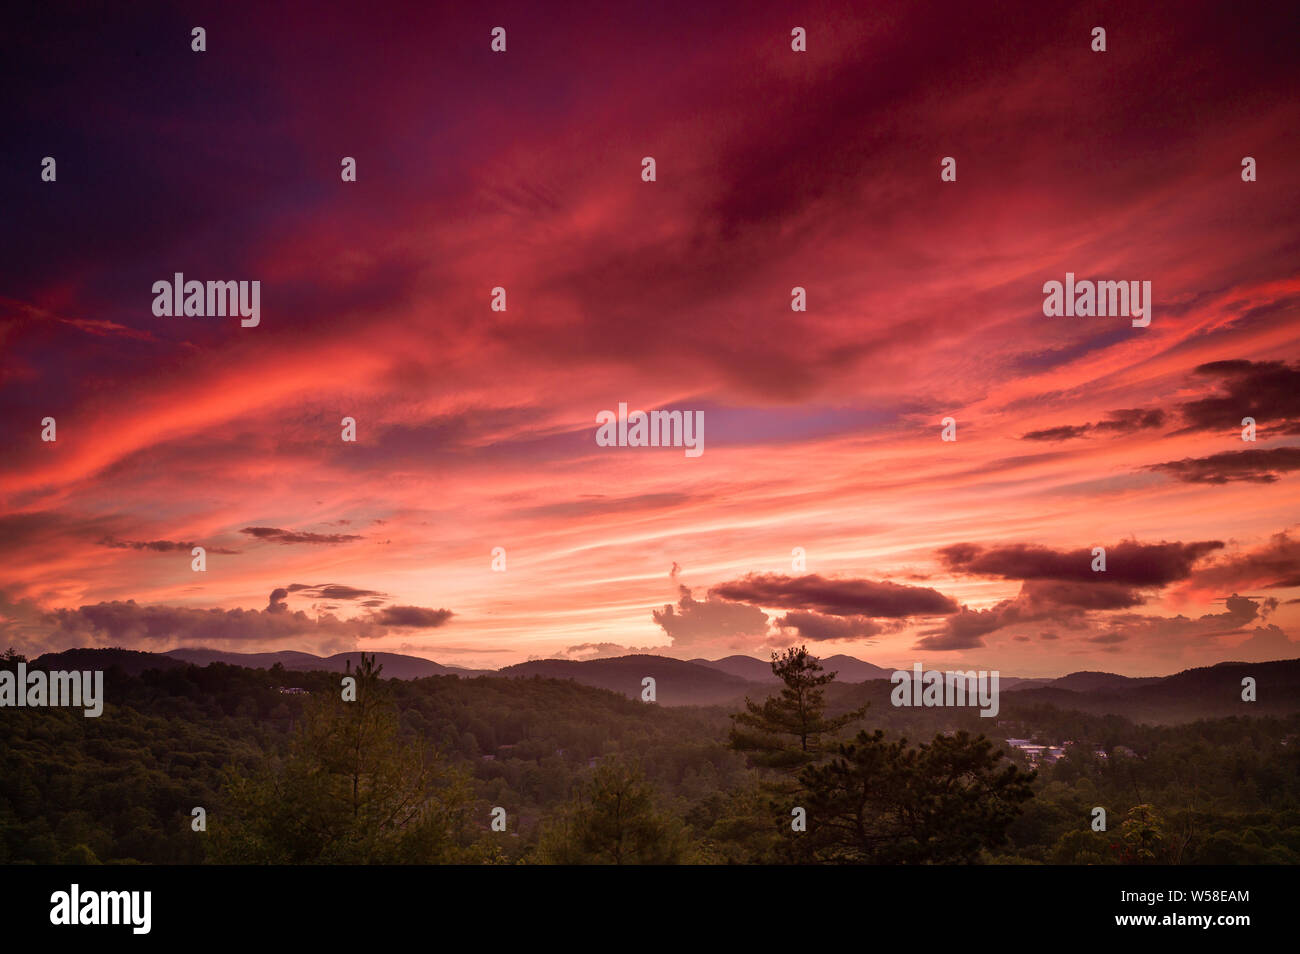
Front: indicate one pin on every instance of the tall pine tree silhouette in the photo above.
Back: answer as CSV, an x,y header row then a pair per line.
x,y
790,730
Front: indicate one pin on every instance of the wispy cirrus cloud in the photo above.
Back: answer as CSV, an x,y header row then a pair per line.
x,y
161,546
276,535
475,427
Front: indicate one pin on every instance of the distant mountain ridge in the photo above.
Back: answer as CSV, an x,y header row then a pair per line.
x,y
677,681
846,668
729,680
1206,692
396,665
1094,681
130,661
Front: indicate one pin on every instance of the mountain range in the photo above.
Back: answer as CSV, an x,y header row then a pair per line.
x,y
396,665
729,680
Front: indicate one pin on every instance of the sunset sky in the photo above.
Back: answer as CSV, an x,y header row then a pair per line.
x,y
476,429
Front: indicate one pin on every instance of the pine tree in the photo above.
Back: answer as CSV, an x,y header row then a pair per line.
x,y
790,730
881,802
614,821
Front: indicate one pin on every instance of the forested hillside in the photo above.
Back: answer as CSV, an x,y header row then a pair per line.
x,y
413,772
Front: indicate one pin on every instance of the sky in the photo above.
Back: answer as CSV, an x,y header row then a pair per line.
x,y
826,507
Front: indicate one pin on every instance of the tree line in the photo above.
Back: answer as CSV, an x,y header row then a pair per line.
x,y
411,771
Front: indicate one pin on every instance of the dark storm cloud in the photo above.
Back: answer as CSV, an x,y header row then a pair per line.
x,y
1253,466
1124,421
1268,391
1239,612
127,623
836,597
1063,433
295,536
1128,563
1035,603
418,616
1082,596
1068,602
820,628
966,629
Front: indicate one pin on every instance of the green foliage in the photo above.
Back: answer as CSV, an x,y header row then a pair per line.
x,y
1081,846
1222,791
350,791
881,802
1143,836
281,775
789,730
614,820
